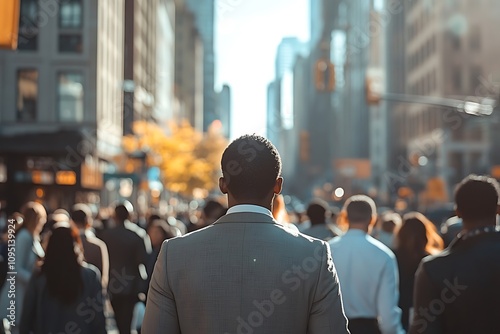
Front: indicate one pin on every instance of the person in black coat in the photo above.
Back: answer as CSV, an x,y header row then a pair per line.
x,y
129,247
458,290
415,239
57,298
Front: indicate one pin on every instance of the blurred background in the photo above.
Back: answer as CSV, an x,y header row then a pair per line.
x,y
136,99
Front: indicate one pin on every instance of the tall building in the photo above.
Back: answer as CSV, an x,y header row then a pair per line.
x,y
224,110
149,61
353,124
280,116
273,122
288,50
204,12
379,142
189,61
164,107
450,48
61,103
316,22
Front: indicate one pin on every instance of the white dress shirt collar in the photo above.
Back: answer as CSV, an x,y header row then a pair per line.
x,y
249,208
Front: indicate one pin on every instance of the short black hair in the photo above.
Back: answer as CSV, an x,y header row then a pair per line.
x,y
123,210
250,165
360,209
476,197
81,213
316,211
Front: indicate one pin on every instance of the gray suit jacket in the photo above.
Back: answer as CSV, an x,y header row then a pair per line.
x,y
244,274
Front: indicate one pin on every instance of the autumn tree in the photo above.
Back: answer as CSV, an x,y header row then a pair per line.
x,y
187,159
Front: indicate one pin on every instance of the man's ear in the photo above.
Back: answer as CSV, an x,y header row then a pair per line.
x,y
498,209
223,185
459,215
278,186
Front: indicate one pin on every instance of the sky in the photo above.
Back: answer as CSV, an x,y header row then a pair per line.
x,y
248,33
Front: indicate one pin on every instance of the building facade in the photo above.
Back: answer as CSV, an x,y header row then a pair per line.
x,y
449,52
189,73
204,13
224,110
61,102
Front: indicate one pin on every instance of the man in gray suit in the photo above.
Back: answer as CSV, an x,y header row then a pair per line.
x,y
245,273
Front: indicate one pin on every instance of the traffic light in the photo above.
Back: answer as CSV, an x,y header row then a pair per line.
x,y
324,76
374,85
9,23
372,98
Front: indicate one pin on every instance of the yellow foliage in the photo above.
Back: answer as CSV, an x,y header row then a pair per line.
x,y
187,159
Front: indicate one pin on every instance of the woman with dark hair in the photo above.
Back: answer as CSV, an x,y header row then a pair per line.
x,y
27,251
57,296
416,239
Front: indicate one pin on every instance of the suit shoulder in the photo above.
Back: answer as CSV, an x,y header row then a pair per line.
x,y
94,241
193,236
380,248
135,229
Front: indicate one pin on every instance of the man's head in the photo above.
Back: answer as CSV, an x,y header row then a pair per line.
x,y
251,171
81,215
390,221
360,211
477,200
123,211
317,211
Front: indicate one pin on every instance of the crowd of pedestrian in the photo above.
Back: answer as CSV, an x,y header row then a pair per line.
x,y
391,272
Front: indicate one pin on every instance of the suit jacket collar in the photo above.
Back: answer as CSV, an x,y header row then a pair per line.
x,y
474,237
246,217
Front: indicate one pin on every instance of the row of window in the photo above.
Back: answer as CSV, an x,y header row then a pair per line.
x,y
70,22
426,85
421,22
422,54
70,94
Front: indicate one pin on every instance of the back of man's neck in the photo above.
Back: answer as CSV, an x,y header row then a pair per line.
x,y
358,227
267,206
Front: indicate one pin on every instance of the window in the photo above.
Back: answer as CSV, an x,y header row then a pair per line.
x,y
475,39
70,14
28,26
70,43
27,94
70,96
70,26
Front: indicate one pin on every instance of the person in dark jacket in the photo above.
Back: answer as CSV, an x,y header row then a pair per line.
x,y
56,300
129,247
458,290
416,239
